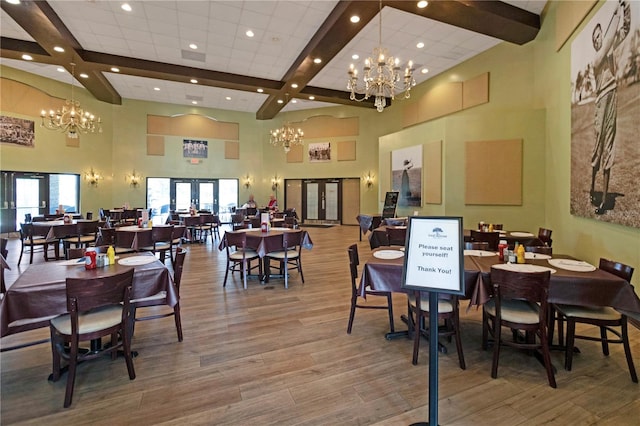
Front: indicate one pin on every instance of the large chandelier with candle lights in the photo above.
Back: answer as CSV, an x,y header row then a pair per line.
x,y
286,136
382,75
71,118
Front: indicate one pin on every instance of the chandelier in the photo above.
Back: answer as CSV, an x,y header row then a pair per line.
x,y
286,136
380,75
71,118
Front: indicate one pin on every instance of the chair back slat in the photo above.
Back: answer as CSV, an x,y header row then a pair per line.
x,y
616,268
86,294
530,286
493,238
539,249
476,245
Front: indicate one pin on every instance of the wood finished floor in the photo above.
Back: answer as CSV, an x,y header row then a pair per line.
x,y
267,355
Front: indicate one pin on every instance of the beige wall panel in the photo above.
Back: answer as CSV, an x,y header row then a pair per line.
x,y
293,195
192,125
73,142
410,114
324,126
441,100
475,91
155,145
296,154
493,172
570,14
23,99
347,151
231,150
350,201
432,152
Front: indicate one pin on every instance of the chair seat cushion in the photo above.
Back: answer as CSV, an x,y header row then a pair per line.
x,y
517,311
249,254
601,313
38,241
291,254
88,322
158,296
444,306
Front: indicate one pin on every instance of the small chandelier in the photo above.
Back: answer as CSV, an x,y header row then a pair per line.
x,y
71,118
286,136
380,79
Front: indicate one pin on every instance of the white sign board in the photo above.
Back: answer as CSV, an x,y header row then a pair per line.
x,y
434,255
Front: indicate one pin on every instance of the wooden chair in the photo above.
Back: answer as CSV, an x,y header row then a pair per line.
x,y
354,261
162,237
290,222
177,236
3,263
520,303
477,245
396,236
290,257
603,317
160,298
194,227
237,221
29,241
448,311
97,307
493,238
544,235
539,249
239,257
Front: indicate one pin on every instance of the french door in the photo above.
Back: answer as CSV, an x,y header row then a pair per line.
x,y
321,200
200,193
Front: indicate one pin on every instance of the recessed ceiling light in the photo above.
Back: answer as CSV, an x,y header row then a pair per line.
x,y
249,33
13,1
115,69
280,101
294,85
422,4
317,60
420,45
355,19
260,90
424,70
193,46
194,102
157,89
294,101
58,49
27,57
355,56
84,75
194,81
126,7
311,98
60,69
228,98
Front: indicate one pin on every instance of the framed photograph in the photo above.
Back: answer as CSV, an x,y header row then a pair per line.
x,y
319,152
406,174
434,255
17,131
195,149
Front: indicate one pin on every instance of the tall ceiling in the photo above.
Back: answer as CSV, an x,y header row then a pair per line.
x,y
150,45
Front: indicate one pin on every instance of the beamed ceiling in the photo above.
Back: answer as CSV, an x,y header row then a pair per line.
x,y
150,46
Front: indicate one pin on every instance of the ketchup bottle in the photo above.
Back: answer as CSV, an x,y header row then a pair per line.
x,y
90,259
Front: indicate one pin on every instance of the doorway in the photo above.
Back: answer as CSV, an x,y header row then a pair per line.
x,y
321,200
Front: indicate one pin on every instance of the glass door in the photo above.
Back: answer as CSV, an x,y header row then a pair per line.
x,y
207,198
321,200
30,197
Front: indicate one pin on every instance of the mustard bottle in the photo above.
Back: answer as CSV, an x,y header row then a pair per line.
x,y
111,255
520,253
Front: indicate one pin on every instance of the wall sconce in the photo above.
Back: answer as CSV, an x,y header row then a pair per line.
x,y
134,178
247,181
92,177
275,182
368,179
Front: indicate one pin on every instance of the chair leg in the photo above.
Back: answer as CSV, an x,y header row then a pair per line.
x,y
485,330
352,313
627,349
176,314
126,348
390,309
604,341
456,328
226,273
21,253
497,335
568,354
71,374
55,358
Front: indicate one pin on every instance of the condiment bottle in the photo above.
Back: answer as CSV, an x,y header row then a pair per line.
x,y
491,227
111,255
150,223
520,253
90,259
501,249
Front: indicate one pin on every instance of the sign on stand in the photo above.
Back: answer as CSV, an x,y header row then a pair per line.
x,y
434,262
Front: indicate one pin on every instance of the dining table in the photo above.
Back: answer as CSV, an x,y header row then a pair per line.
x,y
39,293
133,237
57,230
368,222
572,281
266,242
